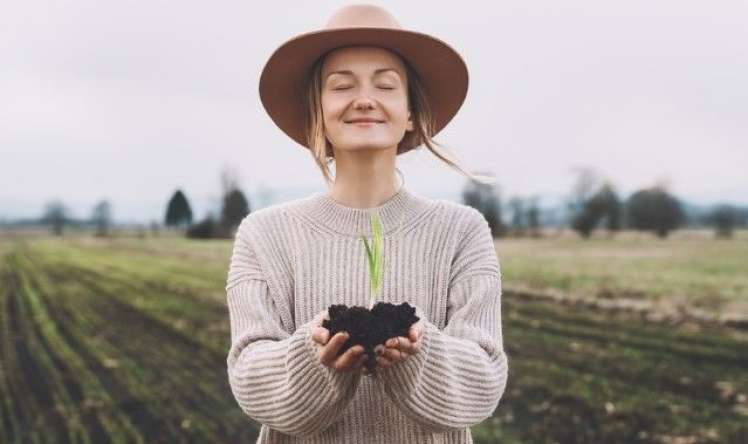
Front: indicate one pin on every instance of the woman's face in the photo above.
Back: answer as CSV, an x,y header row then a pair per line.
x,y
364,82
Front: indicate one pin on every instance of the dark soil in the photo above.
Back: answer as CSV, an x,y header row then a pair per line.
x,y
370,328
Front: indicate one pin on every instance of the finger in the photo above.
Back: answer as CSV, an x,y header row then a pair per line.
x,y
392,354
410,349
330,351
402,344
383,362
321,335
414,334
379,353
348,359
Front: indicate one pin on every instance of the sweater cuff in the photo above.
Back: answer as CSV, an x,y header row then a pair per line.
x,y
338,381
402,378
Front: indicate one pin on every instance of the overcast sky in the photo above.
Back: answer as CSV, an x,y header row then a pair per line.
x,y
128,100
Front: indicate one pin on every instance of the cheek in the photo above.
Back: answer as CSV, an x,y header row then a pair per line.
x,y
331,108
398,108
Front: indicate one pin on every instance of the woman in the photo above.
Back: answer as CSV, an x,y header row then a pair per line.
x,y
360,92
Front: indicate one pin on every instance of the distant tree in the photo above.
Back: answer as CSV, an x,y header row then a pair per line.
x,y
533,217
613,210
229,179
518,223
584,214
654,209
587,182
205,229
592,200
486,199
603,205
102,217
57,215
584,222
724,218
178,211
235,208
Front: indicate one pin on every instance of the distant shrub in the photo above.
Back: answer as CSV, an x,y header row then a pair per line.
x,y
204,229
724,218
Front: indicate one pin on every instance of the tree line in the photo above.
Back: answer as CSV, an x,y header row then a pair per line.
x,y
594,204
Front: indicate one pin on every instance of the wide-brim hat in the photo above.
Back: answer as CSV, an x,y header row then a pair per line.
x,y
441,69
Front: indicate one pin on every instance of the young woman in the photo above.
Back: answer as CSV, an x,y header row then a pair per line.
x,y
358,93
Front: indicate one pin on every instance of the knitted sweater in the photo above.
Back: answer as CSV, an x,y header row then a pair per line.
x,y
292,260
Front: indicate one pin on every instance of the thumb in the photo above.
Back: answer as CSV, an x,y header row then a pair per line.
x,y
414,332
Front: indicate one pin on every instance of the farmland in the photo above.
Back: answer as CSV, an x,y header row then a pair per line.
x,y
125,340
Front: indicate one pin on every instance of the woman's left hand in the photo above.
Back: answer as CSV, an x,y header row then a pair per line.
x,y
400,348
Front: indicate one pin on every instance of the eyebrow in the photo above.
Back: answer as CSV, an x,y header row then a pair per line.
x,y
350,73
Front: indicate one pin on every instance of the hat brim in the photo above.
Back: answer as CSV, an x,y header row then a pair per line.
x,y
442,71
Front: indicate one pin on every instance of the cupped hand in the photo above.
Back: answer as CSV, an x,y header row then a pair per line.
x,y
327,348
399,348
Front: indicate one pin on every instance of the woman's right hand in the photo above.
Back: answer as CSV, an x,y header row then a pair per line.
x,y
327,348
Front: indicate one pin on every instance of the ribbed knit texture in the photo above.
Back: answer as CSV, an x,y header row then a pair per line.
x,y
292,260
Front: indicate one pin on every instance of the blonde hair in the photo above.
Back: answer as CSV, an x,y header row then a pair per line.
x,y
423,125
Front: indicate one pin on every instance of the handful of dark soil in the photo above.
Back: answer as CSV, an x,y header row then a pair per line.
x,y
370,328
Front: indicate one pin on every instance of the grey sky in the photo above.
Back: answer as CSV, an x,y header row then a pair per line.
x,y
129,100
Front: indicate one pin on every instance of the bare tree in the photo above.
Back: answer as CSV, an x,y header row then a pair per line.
x,y
587,183
229,179
486,199
234,205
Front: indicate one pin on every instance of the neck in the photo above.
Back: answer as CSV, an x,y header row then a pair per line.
x,y
364,178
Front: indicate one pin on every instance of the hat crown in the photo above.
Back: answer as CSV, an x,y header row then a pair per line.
x,y
362,16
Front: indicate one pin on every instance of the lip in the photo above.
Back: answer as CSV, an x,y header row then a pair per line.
x,y
364,121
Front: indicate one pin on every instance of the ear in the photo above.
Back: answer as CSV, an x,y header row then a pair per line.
x,y
409,125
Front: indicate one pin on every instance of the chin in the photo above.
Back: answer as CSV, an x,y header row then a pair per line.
x,y
367,145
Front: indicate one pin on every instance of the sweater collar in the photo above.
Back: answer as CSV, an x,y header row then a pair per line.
x,y
395,213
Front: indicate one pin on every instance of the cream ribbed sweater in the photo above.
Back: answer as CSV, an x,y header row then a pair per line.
x,y
292,260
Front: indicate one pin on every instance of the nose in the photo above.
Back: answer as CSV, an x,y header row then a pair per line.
x,y
363,102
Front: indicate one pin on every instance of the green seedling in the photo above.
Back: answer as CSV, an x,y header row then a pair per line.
x,y
375,257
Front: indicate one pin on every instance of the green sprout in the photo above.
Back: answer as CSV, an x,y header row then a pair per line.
x,y
374,255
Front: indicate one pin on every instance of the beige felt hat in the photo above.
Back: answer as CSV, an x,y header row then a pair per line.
x,y
442,71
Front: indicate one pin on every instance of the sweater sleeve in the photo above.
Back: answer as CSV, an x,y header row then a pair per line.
x,y
460,373
275,374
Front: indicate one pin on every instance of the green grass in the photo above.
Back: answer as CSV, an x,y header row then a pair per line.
x,y
124,340
697,271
